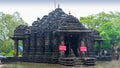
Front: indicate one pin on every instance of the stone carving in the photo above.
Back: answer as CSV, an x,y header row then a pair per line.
x,y
43,39
20,30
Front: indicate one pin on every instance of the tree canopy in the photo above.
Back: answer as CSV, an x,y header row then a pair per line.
x,y
106,23
8,23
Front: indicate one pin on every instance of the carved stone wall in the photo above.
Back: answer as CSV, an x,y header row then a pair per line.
x,y
42,39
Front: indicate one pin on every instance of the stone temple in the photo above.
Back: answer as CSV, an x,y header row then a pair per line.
x,y
41,41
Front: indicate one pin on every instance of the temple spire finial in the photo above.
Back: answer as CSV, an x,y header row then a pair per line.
x,y
58,6
55,4
69,13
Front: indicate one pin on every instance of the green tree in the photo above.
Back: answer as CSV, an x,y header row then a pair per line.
x,y
8,23
106,23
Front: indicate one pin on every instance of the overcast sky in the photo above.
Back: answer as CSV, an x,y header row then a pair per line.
x,y
31,9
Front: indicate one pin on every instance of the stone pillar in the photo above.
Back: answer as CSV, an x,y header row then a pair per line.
x,y
62,43
79,44
99,48
15,47
24,48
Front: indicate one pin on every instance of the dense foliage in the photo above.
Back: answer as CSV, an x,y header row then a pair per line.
x,y
8,23
108,24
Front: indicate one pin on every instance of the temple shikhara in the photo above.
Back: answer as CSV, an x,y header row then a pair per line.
x,y
55,38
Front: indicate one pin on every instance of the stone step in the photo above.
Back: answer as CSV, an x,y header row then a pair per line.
x,y
70,61
89,61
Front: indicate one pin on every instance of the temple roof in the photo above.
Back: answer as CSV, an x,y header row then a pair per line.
x,y
56,21
96,35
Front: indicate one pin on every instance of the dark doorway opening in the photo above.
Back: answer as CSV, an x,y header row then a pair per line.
x,y
71,42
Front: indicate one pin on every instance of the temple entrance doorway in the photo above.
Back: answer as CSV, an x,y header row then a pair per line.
x,y
71,42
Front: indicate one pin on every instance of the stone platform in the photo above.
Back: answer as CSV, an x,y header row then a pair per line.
x,y
71,61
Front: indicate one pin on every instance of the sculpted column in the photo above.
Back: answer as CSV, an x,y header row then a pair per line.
x,y
61,44
16,47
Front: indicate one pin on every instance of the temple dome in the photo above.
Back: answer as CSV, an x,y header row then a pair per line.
x,y
71,19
